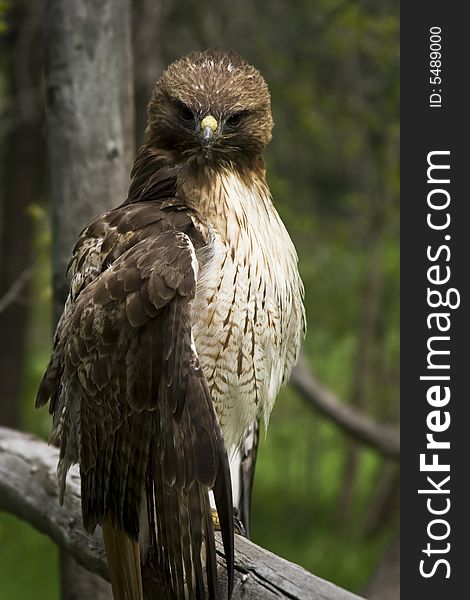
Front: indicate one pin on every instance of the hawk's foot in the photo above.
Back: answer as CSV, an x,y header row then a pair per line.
x,y
238,526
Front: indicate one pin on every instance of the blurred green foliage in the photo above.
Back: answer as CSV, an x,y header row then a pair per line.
x,y
332,67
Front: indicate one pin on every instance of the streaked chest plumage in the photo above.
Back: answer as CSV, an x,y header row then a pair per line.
x,y
248,312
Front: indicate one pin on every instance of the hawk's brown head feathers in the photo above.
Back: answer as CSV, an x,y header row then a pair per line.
x,y
211,105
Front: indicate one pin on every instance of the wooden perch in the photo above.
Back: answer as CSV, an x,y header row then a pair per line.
x,y
28,489
383,438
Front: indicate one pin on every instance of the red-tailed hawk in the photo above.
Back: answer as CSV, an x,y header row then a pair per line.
x,y
184,318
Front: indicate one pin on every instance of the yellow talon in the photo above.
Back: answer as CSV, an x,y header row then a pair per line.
x,y
238,527
215,519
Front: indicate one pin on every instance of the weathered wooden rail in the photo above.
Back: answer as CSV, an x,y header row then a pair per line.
x,y
28,489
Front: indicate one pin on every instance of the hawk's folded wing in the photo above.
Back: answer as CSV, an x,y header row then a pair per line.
x,y
131,403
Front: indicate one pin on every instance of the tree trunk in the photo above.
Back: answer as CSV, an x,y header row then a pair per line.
x,y
91,130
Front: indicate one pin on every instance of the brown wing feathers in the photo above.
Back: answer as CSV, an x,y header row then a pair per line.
x,y
152,179
135,408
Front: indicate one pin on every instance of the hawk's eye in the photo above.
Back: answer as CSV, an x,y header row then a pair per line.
x,y
186,113
235,119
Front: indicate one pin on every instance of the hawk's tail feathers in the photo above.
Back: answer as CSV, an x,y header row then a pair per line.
x,y
123,555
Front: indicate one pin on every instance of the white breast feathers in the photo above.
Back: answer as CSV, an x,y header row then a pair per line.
x,y
248,313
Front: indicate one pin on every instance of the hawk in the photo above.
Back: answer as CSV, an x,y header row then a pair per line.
x,y
183,319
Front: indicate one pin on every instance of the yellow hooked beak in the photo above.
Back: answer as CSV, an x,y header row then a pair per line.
x,y
208,128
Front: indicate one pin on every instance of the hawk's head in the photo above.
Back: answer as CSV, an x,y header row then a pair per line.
x,y
211,105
